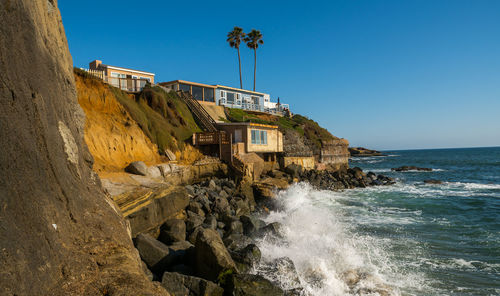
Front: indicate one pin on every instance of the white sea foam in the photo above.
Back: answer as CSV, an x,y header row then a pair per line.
x,y
330,257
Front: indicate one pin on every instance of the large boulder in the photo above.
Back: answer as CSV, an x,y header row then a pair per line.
x,y
60,233
211,255
183,285
137,168
247,257
251,285
158,210
173,230
154,253
251,224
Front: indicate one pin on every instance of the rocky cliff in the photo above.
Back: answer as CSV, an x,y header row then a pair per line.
x,y
113,137
60,234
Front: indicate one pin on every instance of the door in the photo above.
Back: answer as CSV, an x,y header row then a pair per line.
x,y
238,136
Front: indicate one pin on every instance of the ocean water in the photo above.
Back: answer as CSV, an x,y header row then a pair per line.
x,y
407,239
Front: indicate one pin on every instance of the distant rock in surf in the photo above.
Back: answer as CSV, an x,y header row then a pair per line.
x,y
407,168
433,181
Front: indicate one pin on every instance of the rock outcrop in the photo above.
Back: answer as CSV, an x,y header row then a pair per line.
x,y
61,235
363,152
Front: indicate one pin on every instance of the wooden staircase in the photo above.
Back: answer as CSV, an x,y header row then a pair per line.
x,y
208,124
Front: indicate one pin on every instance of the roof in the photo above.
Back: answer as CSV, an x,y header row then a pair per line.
x,y
188,82
212,86
249,124
129,70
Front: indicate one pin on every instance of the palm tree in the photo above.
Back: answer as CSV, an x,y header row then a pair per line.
x,y
234,38
253,39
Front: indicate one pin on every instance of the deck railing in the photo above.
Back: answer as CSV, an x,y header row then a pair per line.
x,y
126,84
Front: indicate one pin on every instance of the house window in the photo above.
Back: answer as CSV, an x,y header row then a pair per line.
x,y
185,87
208,94
230,98
255,100
259,137
197,93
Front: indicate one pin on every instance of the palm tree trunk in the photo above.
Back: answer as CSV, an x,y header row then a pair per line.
x,y
254,66
239,61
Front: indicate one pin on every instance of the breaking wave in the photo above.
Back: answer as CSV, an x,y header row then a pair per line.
x,y
330,256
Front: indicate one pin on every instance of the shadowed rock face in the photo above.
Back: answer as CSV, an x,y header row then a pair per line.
x,y
60,234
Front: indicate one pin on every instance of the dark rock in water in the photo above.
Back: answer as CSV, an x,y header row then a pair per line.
x,y
406,168
357,173
372,176
251,224
154,253
236,241
173,230
247,257
137,168
251,285
295,292
273,229
283,265
183,285
433,181
211,256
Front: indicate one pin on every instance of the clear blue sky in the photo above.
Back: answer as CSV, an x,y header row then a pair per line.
x,y
382,74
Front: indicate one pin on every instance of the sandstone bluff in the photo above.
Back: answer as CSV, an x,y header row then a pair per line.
x,y
60,233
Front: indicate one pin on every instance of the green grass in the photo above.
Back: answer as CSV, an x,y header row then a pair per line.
x,y
306,127
163,117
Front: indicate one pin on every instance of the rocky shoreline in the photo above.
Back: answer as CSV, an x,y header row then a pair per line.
x,y
210,247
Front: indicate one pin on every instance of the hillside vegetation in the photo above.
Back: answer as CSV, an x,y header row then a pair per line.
x,y
123,127
307,128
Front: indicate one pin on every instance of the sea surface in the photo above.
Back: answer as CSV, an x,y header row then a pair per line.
x,y
410,238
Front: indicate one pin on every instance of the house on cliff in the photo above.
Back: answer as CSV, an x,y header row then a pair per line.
x,y
229,97
123,78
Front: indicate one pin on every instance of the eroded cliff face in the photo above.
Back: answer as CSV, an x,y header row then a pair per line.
x,y
113,137
60,234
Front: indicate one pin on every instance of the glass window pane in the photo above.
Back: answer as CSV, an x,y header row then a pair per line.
x,y
230,98
263,137
197,93
209,95
255,100
184,87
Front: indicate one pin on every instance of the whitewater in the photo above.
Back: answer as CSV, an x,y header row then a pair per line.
x,y
407,239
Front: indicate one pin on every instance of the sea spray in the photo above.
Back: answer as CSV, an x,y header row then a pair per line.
x,y
329,256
